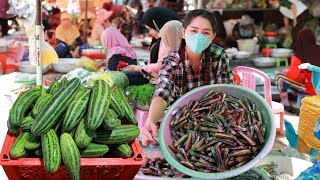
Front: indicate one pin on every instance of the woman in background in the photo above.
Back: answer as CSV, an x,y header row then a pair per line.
x,y
154,19
68,38
299,80
244,29
118,48
171,37
102,22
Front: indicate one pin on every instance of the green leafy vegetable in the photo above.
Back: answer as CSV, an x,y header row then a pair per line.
x,y
141,94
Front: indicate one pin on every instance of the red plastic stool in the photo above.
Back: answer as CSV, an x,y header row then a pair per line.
x,y
266,52
141,117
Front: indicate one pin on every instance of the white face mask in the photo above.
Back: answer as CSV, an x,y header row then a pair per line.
x,y
197,43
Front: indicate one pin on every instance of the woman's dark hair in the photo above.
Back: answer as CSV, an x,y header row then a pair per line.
x,y
200,12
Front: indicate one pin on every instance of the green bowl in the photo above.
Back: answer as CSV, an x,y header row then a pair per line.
x,y
165,136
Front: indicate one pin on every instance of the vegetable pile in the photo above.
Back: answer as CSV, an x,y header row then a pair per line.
x,y
69,121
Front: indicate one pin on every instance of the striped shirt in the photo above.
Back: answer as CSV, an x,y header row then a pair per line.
x,y
170,81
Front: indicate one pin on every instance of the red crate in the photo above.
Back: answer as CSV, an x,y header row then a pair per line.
x,y
91,168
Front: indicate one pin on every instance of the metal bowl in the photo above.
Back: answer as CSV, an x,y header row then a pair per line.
x,y
26,67
65,65
281,52
264,62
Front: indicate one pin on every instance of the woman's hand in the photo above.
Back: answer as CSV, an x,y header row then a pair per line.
x,y
149,133
132,68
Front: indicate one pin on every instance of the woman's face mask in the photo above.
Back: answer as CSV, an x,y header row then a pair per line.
x,y
197,42
198,34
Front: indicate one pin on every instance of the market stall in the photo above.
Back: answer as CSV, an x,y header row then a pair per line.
x,y
73,118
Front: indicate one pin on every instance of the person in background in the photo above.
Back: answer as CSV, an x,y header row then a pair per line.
x,y
4,7
171,37
137,26
221,36
118,48
244,29
154,19
102,22
68,38
299,80
196,63
121,18
294,10
54,18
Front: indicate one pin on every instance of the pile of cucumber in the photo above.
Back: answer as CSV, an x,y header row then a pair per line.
x,y
69,121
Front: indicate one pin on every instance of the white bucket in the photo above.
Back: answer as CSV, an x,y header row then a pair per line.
x,y
248,45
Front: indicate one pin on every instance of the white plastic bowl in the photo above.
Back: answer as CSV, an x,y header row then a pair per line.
x,y
26,67
292,166
264,62
65,65
281,52
242,55
248,45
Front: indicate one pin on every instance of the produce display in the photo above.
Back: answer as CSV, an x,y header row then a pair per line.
x,y
69,121
217,133
141,95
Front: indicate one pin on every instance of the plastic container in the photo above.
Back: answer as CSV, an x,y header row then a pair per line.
x,y
290,165
65,65
91,168
165,136
281,52
26,67
248,45
264,62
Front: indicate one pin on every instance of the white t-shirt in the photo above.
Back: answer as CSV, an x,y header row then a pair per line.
x,y
288,12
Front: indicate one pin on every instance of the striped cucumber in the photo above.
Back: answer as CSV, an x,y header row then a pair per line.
x,y
76,111
118,135
129,114
123,150
55,108
70,155
94,150
116,105
40,103
98,104
83,135
63,82
32,142
26,123
51,151
17,150
111,120
23,104
54,87
12,129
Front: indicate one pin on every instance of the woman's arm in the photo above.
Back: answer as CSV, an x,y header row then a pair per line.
x,y
294,72
294,11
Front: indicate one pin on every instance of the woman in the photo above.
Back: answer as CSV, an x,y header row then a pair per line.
x,y
68,38
118,48
244,29
154,19
197,62
294,10
299,80
102,22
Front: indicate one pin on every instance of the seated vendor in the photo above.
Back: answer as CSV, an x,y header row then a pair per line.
x,y
244,29
196,63
299,80
68,38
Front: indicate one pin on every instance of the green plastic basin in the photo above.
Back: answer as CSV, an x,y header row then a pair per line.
x,y
165,136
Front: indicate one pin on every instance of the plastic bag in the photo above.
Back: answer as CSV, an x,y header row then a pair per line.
x,y
48,54
312,173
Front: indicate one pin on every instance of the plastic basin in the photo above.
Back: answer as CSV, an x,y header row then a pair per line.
x,y
26,67
65,65
248,45
165,136
264,62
